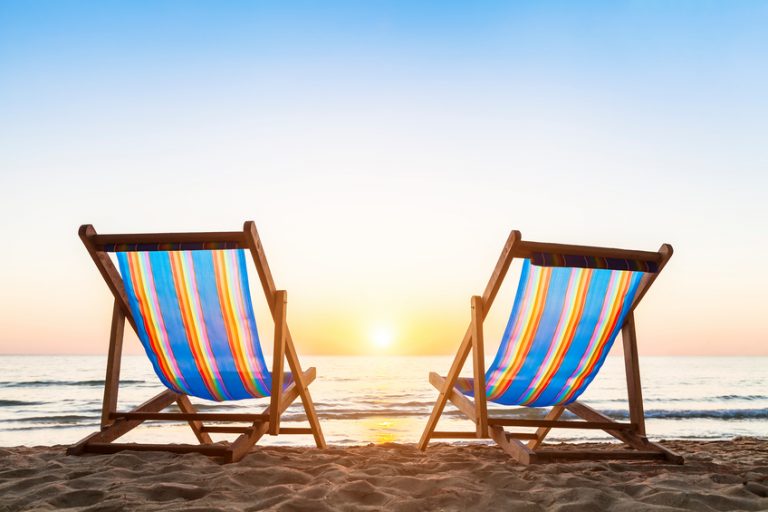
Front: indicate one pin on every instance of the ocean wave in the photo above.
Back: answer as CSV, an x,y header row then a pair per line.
x,y
52,383
680,414
719,398
17,403
54,419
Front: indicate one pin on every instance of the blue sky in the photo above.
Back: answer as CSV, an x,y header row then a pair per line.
x,y
385,149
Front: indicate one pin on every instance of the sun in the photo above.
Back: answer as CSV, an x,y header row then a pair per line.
x,y
382,337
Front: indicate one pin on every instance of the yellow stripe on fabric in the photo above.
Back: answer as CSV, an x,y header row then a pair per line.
x,y
242,312
572,312
523,344
194,326
614,302
234,330
144,287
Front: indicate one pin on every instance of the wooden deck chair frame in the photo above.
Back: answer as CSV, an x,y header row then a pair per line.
x,y
115,424
632,433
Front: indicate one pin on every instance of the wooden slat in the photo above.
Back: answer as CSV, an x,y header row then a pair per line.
x,y
601,425
489,295
184,416
296,430
463,403
478,366
224,429
169,238
526,249
447,434
521,435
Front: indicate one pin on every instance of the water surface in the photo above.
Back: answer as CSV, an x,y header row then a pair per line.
x,y
48,400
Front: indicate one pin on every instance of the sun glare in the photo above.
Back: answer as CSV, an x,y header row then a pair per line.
x,y
382,337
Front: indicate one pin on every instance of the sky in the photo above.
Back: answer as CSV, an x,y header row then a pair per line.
x,y
385,150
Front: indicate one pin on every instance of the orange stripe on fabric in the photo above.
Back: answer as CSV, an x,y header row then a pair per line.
x,y
526,339
238,295
565,340
138,280
190,326
608,327
233,334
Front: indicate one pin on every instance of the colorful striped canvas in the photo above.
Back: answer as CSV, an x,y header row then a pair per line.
x,y
194,316
562,326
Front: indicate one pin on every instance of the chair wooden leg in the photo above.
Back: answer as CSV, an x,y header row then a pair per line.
x,y
121,427
197,426
631,438
542,432
513,447
102,442
268,284
632,367
114,356
478,367
303,390
446,389
242,445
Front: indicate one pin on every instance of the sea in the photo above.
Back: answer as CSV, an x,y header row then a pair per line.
x,y
56,400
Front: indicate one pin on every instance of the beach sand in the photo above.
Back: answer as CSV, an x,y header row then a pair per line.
x,y
722,475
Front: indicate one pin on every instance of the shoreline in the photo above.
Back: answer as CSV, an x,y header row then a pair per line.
x,y
717,475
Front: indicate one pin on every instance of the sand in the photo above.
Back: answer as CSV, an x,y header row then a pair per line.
x,y
723,475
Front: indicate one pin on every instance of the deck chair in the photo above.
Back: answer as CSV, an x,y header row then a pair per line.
x,y
187,297
571,303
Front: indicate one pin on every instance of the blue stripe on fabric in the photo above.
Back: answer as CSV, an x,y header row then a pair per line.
x,y
168,301
563,281
607,289
246,291
133,302
593,305
542,337
631,292
559,385
214,323
522,286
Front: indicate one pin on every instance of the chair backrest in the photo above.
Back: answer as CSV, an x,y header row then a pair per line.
x,y
567,313
194,317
